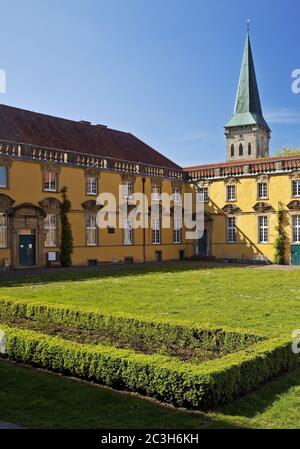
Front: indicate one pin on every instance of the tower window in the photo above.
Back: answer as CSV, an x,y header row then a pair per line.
x,y
241,150
249,149
232,150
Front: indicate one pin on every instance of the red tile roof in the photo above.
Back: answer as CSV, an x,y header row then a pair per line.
x,y
21,126
242,162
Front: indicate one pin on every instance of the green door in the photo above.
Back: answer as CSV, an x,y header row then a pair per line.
x,y
295,253
26,250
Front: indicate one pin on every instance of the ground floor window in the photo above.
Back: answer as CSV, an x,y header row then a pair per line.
x,y
296,228
177,231
231,230
263,229
128,232
91,230
3,230
51,230
156,231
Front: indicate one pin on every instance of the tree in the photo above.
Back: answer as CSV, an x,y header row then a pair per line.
x,y
288,151
66,243
279,243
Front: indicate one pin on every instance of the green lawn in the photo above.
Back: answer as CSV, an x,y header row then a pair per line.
x,y
37,399
261,300
257,299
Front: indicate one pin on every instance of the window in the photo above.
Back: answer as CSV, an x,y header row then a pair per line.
x,y
262,190
91,185
91,230
177,231
202,195
263,229
231,193
176,195
127,189
296,188
155,192
232,150
249,149
51,230
156,231
231,230
110,230
128,232
296,228
3,176
3,231
241,150
50,182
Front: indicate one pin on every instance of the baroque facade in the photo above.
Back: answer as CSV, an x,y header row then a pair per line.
x,y
40,154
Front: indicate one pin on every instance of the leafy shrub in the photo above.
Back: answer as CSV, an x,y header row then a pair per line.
x,y
182,384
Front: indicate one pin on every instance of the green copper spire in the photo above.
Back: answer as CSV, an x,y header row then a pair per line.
x,y
247,110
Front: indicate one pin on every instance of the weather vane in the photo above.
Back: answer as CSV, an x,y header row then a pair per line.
x,y
248,25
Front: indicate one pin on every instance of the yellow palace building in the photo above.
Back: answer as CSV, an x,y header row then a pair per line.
x,y
39,154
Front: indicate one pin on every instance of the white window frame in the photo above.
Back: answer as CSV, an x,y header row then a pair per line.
x,y
262,190
156,231
52,180
91,185
263,229
296,182
51,231
127,189
176,195
91,230
177,230
128,232
231,230
231,192
3,230
296,229
155,192
202,195
4,186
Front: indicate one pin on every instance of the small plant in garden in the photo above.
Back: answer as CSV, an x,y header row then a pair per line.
x,y
66,244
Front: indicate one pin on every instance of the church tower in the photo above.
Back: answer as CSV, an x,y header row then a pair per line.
x,y
247,133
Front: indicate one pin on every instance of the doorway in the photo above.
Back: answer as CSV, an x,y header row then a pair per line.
x,y
27,250
203,244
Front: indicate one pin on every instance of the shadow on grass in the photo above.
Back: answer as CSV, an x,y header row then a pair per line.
x,y
260,400
43,276
39,399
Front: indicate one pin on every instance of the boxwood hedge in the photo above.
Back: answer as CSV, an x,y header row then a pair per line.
x,y
167,379
130,329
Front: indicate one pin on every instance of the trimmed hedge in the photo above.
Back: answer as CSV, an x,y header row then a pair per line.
x,y
157,334
167,379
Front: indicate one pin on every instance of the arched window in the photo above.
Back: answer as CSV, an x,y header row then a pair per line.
x,y
232,150
249,149
241,150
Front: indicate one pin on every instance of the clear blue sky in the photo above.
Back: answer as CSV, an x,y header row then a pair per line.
x,y
165,70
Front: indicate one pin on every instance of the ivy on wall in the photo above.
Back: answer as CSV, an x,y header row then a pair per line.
x,y
279,243
66,243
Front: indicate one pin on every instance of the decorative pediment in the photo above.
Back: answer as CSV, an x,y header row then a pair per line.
x,y
5,161
262,178
50,167
231,180
294,205
91,205
50,204
27,210
156,181
263,207
295,174
128,177
231,209
176,184
5,202
203,183
92,171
